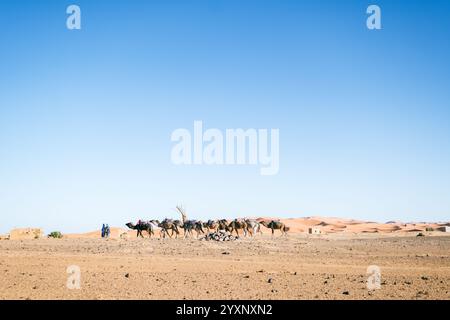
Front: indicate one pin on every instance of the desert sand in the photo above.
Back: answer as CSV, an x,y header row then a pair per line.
x,y
332,265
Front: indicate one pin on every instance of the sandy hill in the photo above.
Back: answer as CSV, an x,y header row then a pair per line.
x,y
333,225
26,233
296,225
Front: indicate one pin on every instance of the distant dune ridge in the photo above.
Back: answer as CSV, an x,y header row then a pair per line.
x,y
115,233
334,225
297,225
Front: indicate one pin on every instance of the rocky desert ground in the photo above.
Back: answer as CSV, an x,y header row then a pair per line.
x,y
332,265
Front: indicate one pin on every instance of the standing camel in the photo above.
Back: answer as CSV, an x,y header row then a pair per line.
x,y
211,225
157,226
275,225
253,226
169,224
237,224
178,224
141,226
222,225
189,225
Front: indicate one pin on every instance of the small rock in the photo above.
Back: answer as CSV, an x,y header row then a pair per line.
x,y
127,275
346,293
269,280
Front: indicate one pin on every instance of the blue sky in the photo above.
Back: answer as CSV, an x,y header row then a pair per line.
x,y
86,115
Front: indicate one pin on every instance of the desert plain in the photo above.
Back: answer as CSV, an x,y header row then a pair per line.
x,y
331,265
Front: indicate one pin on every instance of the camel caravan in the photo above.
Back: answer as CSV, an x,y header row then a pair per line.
x,y
219,230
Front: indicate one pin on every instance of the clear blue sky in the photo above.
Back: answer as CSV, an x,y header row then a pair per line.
x,y
86,116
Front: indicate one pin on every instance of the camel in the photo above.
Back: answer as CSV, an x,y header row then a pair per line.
x,y
169,224
253,226
237,224
189,225
178,224
198,227
211,225
275,225
141,226
222,225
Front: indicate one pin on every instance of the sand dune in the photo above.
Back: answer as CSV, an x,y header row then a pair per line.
x,y
296,225
335,225
115,233
326,225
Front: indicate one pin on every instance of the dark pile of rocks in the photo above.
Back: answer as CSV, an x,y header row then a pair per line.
x,y
220,235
